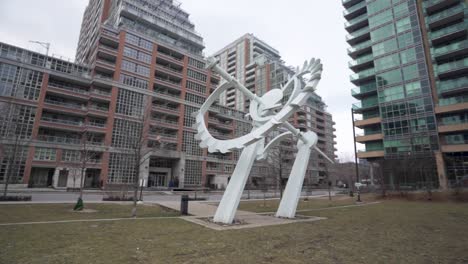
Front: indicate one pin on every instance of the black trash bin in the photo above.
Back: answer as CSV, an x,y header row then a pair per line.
x,y
184,204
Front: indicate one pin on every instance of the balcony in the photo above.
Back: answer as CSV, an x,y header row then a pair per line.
x,y
364,90
169,82
358,36
355,10
452,14
175,111
433,6
362,76
98,110
359,49
452,86
64,105
371,154
449,33
453,50
452,69
452,104
368,121
62,123
166,122
361,62
59,140
449,127
100,94
366,105
348,3
356,23
369,137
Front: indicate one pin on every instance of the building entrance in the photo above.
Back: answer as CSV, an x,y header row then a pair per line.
x,y
158,179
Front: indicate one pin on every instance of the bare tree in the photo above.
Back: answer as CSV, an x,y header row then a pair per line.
x,y
14,137
85,157
277,167
140,152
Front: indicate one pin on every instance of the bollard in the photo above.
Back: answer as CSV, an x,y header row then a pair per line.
x,y
184,200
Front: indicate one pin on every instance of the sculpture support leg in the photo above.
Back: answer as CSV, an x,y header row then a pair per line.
x,y
288,205
231,198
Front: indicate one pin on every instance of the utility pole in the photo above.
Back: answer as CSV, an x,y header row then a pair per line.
x,y
355,157
46,45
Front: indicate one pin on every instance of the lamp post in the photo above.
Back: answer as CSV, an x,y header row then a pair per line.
x,y
355,158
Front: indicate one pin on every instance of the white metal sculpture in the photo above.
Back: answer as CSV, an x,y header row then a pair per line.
x,y
268,114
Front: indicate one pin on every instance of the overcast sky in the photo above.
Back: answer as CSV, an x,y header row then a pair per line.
x,y
299,29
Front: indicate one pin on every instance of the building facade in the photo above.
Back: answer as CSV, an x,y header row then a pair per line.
x,y
259,68
138,78
410,71
134,66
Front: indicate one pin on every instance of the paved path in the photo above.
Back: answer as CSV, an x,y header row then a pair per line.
x,y
202,213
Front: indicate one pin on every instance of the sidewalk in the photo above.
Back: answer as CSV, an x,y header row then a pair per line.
x,y
201,211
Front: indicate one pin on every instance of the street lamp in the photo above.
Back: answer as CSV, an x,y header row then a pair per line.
x,y
46,45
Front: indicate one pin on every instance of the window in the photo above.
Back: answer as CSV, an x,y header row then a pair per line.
x,y
384,47
46,154
401,9
196,87
387,62
196,75
380,19
194,98
189,120
389,78
137,55
16,120
18,165
410,72
413,89
191,146
71,155
135,68
193,172
133,81
121,168
196,63
405,40
391,94
383,32
408,56
130,103
377,6
137,41
403,25
126,134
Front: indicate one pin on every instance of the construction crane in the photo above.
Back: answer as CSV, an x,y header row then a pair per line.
x,y
46,45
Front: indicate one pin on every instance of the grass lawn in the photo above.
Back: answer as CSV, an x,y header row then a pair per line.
x,y
389,232
53,212
316,203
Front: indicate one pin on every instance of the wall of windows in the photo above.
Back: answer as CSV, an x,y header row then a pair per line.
x,y
133,81
16,120
135,68
130,103
126,134
137,55
121,168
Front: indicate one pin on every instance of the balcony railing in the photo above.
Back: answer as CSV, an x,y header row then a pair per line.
x,y
363,74
360,46
366,104
453,100
62,121
451,66
354,8
358,33
451,48
447,13
361,60
454,84
356,20
61,140
69,105
364,89
72,89
449,30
